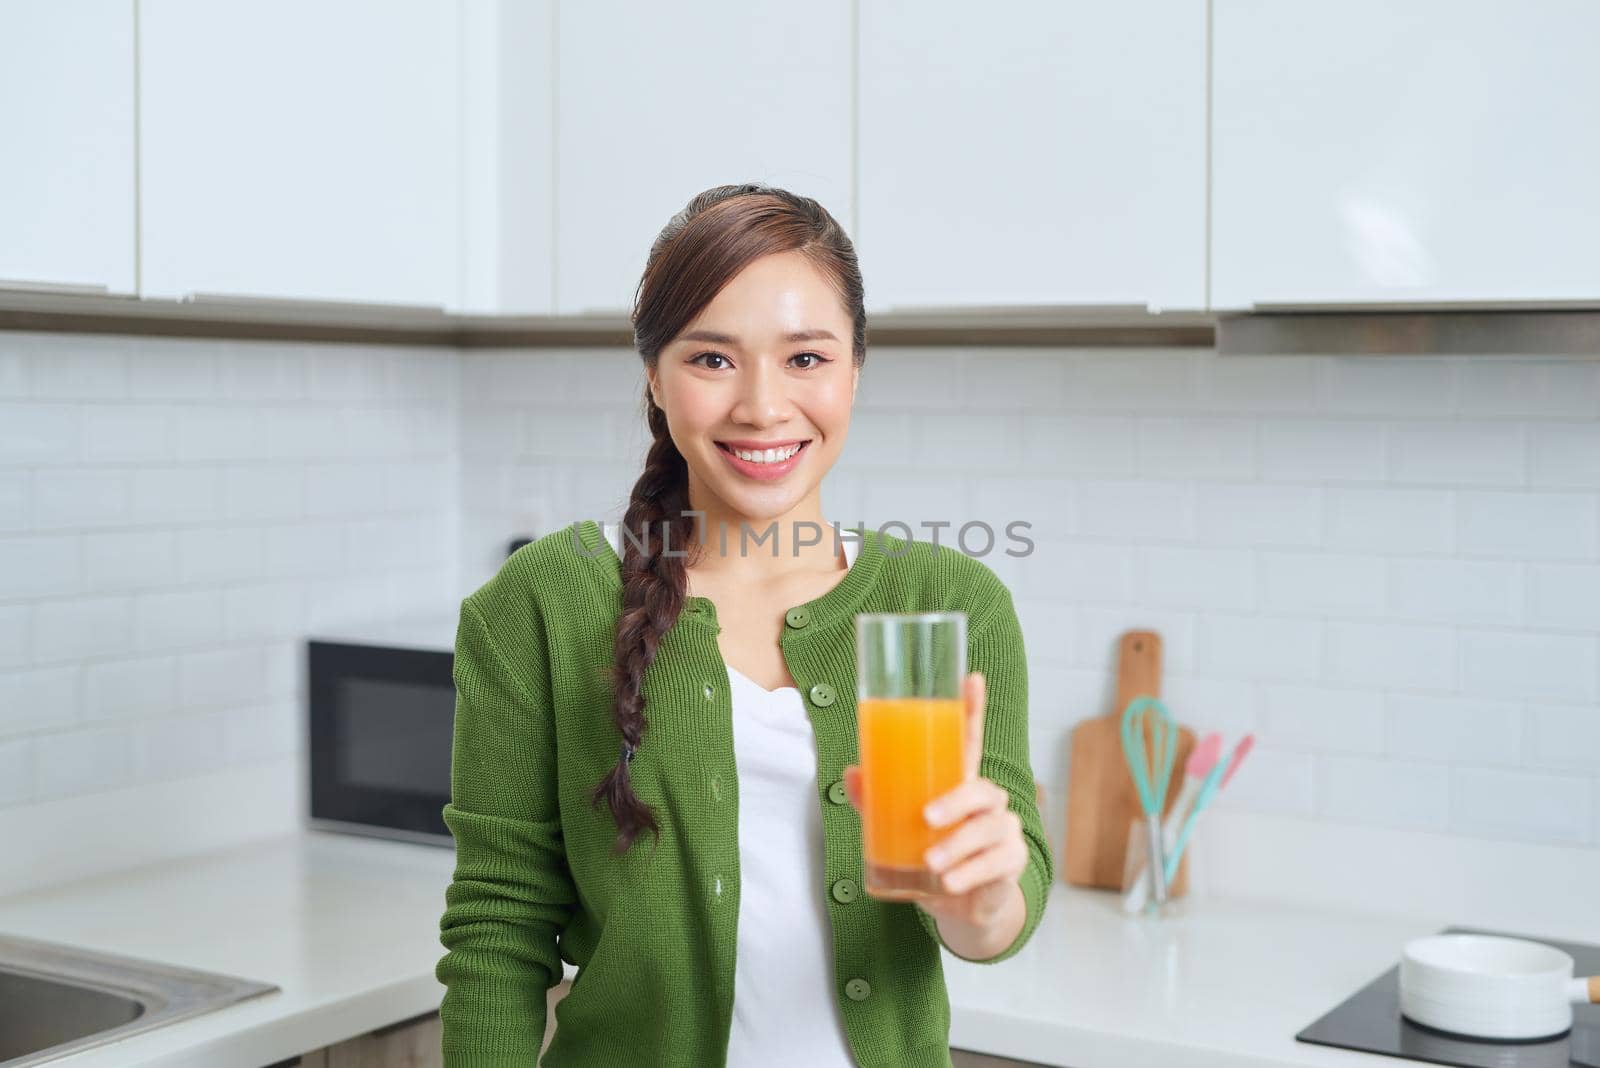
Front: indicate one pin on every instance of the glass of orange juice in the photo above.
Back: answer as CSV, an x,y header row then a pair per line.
x,y
910,725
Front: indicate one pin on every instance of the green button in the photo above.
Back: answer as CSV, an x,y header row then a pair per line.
x,y
822,695
836,793
844,891
709,691
797,617
858,990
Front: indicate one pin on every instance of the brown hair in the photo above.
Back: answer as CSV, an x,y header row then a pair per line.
x,y
719,233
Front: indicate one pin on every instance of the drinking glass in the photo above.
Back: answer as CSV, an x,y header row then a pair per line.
x,y
910,724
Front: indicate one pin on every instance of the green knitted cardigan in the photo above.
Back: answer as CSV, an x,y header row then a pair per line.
x,y
653,931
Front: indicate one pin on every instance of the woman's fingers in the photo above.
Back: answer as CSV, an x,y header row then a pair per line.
x,y
973,836
1003,861
852,785
974,795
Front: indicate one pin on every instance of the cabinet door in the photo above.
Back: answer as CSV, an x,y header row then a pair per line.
x,y
66,127
1418,151
657,102
1031,153
301,149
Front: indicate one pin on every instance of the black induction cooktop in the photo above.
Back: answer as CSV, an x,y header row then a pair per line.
x,y
1370,1021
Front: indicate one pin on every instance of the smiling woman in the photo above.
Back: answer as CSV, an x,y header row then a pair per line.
x,y
742,935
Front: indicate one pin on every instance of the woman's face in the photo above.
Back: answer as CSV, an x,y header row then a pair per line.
x,y
741,375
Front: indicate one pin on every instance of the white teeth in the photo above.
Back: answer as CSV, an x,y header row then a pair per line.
x,y
768,456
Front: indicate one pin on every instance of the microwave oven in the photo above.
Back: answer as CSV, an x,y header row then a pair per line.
x,y
380,725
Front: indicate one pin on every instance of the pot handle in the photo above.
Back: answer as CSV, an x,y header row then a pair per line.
x,y
1585,991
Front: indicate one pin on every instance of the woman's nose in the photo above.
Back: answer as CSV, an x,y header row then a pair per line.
x,y
762,396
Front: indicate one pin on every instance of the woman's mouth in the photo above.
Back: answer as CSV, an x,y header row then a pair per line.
x,y
764,465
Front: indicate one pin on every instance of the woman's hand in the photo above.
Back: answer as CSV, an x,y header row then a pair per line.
x,y
980,860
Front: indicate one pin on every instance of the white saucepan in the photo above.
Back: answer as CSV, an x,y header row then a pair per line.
x,y
1488,986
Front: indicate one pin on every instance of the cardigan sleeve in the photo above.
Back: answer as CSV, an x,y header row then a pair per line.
x,y
512,892
994,647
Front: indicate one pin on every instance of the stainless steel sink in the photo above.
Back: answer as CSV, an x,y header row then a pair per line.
x,y
57,999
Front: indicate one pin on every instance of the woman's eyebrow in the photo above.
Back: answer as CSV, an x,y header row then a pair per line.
x,y
728,339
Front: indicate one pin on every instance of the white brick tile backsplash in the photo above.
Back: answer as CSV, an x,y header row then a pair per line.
x,y
1391,793
1255,384
169,495
263,491
1302,583
1071,443
120,433
39,566
1258,647
1396,520
1529,525
16,771
16,628
1205,704
1556,667
40,433
1100,628
1455,729
83,761
1077,571
1397,655
215,554
174,619
1146,511
1527,387
1460,454
1389,569
1401,385
1565,455
257,371
1315,451
81,628
1133,380
1275,781
1561,595
1458,591
1323,720
15,510
129,689
1529,808
173,369
1197,448
1010,380
221,676
1566,737
975,442
80,497
1212,579
32,698
1249,514
130,560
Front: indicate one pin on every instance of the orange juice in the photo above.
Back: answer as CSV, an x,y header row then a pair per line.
x,y
910,754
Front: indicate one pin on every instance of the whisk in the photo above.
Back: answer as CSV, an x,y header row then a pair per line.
x,y
1151,767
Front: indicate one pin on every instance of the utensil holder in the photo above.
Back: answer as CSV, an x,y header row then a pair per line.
x,y
1135,861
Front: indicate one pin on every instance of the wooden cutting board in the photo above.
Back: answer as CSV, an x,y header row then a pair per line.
x,y
1101,797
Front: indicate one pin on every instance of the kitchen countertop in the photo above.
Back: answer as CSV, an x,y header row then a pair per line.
x,y
348,927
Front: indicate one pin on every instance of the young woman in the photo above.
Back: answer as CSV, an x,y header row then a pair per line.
x,y
655,731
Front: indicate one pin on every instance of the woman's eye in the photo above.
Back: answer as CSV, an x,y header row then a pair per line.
x,y
713,355
814,356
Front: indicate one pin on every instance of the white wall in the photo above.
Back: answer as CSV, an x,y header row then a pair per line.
x,y
1388,568
174,516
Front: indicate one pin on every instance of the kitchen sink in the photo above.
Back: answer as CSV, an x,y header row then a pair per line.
x,y
58,999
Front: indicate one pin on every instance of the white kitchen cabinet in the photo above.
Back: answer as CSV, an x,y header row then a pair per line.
x,y
1433,150
1031,153
301,149
66,134
657,102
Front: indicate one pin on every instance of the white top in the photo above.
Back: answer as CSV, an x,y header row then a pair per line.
x,y
783,984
